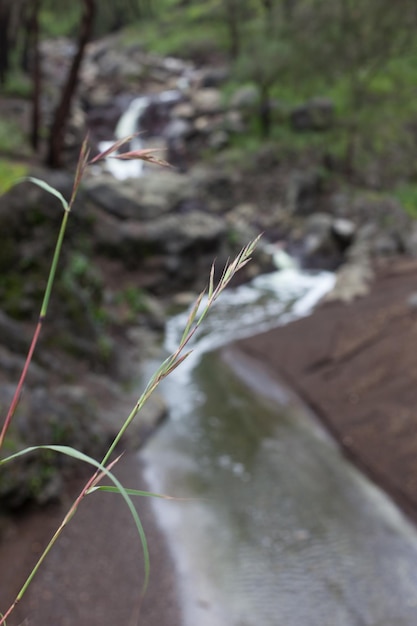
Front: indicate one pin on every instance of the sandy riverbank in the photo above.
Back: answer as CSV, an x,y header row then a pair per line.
x,y
355,365
94,575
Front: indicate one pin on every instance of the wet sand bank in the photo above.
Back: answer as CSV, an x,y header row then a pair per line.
x,y
94,574
355,365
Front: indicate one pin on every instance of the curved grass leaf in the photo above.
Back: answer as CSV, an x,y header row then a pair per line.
x,y
134,492
46,187
76,454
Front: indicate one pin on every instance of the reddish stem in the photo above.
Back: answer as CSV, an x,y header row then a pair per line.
x,y
18,391
67,518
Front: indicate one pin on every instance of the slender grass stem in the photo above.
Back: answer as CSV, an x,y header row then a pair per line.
x,y
48,548
194,321
44,310
17,393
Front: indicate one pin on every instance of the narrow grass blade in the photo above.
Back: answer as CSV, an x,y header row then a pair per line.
x,y
48,188
191,318
146,154
134,492
113,148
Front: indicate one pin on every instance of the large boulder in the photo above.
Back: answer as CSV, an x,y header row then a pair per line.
x,y
173,252
62,415
207,101
144,198
304,192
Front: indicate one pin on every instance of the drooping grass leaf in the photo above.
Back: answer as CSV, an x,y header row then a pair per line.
x,y
76,454
48,188
134,492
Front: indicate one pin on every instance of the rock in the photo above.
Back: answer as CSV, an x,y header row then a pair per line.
x,y
317,114
144,198
410,240
172,251
184,110
63,415
353,280
385,244
344,230
178,129
214,76
303,192
244,213
233,122
11,366
218,140
13,335
319,240
207,101
117,199
246,97
412,301
174,234
183,299
215,187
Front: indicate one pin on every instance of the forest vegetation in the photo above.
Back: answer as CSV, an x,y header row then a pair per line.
x,y
360,56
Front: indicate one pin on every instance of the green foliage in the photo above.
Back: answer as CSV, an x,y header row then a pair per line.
x,y
18,85
134,298
174,32
60,21
12,138
10,172
407,195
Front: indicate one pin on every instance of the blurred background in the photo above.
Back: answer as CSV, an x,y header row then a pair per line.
x,y
294,118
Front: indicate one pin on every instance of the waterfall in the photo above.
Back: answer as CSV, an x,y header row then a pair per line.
x,y
130,123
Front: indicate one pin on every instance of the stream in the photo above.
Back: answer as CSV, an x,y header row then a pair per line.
x,y
279,528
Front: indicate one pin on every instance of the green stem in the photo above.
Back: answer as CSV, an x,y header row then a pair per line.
x,y
44,310
48,548
54,264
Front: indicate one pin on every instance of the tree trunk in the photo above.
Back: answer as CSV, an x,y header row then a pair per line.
x,y
36,73
232,19
265,112
4,39
57,131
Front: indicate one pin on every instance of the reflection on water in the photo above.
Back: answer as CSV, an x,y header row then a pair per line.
x,y
280,530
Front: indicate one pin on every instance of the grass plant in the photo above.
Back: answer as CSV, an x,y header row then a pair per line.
x,y
103,469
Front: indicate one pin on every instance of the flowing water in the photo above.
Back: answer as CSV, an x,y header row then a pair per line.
x,y
279,530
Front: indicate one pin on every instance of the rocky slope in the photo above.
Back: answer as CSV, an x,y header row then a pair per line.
x,y
137,246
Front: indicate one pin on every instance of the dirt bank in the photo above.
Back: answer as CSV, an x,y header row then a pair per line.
x,y
356,366
94,574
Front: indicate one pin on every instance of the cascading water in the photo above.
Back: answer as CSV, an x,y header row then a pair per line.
x,y
280,529
130,123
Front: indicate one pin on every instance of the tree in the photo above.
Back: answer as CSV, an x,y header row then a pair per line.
x,y
268,56
57,131
33,45
12,18
354,40
265,63
20,28
118,15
